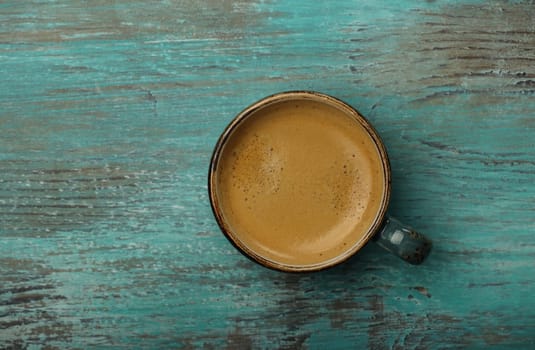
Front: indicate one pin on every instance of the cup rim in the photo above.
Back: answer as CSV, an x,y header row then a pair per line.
x,y
288,96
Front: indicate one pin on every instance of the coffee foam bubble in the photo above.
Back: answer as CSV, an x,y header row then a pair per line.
x,y
256,170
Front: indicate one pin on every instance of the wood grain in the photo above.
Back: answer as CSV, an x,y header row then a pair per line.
x,y
109,111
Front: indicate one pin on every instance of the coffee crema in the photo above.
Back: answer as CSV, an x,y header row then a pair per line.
x,y
299,183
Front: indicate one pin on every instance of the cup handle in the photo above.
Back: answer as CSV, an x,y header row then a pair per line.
x,y
403,241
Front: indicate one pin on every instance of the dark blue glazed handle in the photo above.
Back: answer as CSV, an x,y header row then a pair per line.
x,y
403,241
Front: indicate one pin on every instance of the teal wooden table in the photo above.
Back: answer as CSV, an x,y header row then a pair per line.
x,y
109,111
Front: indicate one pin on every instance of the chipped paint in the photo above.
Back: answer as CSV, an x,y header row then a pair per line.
x,y
109,112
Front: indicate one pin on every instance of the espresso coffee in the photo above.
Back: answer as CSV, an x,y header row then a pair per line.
x,y
300,183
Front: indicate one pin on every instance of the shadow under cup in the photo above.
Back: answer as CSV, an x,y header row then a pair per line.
x,y
299,181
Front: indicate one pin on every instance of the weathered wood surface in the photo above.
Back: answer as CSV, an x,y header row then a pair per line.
x,y
108,114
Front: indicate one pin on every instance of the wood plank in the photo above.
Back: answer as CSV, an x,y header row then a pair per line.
x,y
109,111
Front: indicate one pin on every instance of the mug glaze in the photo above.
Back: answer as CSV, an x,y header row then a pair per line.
x,y
250,142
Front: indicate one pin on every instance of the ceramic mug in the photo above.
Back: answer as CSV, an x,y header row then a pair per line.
x,y
300,181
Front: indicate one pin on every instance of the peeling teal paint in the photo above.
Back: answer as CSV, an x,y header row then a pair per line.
x,y
108,114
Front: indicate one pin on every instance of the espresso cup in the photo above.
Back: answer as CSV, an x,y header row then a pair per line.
x,y
300,181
